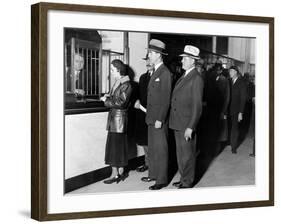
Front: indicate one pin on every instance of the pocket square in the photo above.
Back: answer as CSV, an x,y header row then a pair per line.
x,y
157,80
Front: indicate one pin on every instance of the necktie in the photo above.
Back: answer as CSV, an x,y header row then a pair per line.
x,y
152,72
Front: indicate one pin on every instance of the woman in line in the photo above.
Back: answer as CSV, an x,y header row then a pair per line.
x,y
116,151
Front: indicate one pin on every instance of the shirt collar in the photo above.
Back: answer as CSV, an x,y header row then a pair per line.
x,y
234,80
124,79
157,65
150,72
189,70
118,82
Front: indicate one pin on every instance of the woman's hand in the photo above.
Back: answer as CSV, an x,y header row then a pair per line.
x,y
103,98
79,92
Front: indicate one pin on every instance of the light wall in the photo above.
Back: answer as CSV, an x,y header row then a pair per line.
x,y
85,138
114,41
242,49
138,43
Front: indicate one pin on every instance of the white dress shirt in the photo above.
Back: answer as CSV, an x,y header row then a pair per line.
x,y
157,65
189,70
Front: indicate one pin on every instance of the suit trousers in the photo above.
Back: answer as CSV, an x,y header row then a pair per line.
x,y
158,153
234,131
144,148
186,158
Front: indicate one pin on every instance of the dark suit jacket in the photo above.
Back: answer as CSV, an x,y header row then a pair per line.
x,y
143,84
68,80
238,97
158,95
223,94
186,104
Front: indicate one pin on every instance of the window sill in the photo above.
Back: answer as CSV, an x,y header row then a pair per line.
x,y
84,106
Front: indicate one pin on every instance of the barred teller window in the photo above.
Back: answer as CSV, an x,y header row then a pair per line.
x,y
87,73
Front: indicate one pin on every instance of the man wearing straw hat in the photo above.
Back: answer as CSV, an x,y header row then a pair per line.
x,y
186,108
158,104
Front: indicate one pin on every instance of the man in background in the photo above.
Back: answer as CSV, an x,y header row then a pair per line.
x,y
141,104
75,77
237,105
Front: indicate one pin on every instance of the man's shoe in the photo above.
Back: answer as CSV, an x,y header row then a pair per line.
x,y
147,179
234,151
177,184
181,186
157,186
142,168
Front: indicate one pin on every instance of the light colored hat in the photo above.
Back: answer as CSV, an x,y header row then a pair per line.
x,y
157,46
190,51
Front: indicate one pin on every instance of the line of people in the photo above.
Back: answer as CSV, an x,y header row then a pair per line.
x,y
162,106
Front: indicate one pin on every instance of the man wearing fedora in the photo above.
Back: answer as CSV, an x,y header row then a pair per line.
x,y
186,108
140,105
158,104
236,107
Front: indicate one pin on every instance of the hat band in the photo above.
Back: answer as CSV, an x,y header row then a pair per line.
x,y
191,55
155,48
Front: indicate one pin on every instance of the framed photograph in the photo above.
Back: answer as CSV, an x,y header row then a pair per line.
x,y
93,74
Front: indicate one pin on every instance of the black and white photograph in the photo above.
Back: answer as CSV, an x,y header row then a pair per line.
x,y
148,111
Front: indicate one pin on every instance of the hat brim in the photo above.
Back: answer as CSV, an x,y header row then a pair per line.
x,y
156,50
189,55
236,69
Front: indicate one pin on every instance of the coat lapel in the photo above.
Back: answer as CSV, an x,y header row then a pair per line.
x,y
236,83
181,82
156,74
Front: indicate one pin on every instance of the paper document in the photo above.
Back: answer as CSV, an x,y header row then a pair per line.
x,y
142,108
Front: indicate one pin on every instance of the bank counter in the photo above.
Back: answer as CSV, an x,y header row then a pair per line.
x,y
85,138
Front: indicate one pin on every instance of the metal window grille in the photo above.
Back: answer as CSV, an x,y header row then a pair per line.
x,y
95,77
88,79
108,57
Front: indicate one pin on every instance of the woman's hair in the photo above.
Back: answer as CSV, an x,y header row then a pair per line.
x,y
120,66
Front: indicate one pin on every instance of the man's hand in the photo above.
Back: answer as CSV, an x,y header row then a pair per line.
x,y
137,104
158,124
240,117
223,116
79,92
103,98
188,134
